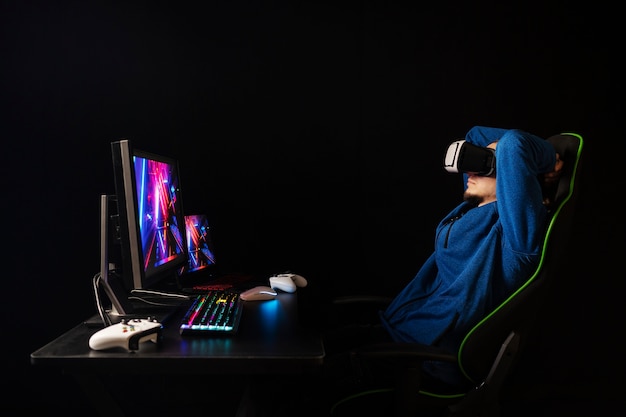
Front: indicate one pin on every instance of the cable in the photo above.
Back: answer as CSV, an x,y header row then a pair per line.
x,y
154,303
106,319
159,293
101,311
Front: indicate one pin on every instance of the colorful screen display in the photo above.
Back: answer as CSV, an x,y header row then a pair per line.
x,y
199,244
159,212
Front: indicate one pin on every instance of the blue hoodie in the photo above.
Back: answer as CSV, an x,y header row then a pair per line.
x,y
482,254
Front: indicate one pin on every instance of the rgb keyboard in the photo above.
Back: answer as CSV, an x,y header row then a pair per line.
x,y
216,311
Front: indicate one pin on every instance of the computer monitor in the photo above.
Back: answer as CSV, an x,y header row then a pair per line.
x,y
199,243
151,224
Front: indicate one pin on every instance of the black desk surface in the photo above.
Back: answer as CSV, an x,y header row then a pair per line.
x,y
269,340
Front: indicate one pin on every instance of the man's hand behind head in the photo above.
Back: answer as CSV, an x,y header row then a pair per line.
x,y
550,179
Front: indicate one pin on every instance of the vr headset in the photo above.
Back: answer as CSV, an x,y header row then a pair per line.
x,y
462,156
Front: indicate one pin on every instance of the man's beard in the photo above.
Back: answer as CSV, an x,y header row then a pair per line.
x,y
473,199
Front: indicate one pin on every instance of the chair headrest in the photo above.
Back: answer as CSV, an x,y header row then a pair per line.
x,y
568,147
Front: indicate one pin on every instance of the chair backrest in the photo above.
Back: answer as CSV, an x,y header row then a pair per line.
x,y
518,312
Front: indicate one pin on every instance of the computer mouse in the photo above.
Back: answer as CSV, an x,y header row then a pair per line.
x,y
260,292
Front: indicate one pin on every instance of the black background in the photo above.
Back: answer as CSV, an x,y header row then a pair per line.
x,y
312,133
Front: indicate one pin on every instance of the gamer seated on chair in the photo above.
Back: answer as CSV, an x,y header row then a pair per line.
x,y
485,248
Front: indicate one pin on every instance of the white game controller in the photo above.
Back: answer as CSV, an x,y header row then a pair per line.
x,y
287,282
127,334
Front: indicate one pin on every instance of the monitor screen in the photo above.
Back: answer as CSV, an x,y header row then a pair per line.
x,y
199,243
151,219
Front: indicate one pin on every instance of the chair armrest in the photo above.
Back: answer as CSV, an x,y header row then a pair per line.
x,y
399,365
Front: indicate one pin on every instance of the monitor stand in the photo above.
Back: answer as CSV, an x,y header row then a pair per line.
x,y
162,315
121,306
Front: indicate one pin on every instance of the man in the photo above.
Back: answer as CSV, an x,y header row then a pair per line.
x,y
485,248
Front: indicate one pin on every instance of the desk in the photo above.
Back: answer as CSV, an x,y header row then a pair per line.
x,y
270,341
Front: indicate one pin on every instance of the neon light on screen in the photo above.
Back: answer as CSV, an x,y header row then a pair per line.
x,y
161,234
